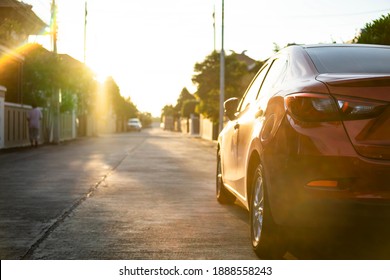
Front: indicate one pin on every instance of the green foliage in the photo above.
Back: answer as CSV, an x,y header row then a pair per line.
x,y
45,72
205,100
41,75
68,101
146,119
184,107
78,85
377,32
184,96
189,107
123,108
169,110
185,104
276,47
257,67
207,79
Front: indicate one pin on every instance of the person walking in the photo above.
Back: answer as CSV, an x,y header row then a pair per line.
x,y
34,117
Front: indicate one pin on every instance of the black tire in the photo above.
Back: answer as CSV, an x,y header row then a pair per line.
x,y
223,195
267,238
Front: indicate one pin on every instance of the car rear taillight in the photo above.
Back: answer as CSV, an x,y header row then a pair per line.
x,y
354,109
312,107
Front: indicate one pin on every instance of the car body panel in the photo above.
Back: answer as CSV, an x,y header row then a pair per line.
x,y
370,137
316,171
229,142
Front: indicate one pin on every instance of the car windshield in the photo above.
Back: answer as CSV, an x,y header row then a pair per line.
x,y
343,59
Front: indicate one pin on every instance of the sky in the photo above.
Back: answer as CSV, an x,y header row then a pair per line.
x,y
150,47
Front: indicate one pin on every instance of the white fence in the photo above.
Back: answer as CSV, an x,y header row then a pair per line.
x,y
14,127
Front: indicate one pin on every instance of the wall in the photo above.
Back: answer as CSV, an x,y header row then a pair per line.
x,y
2,98
206,128
191,125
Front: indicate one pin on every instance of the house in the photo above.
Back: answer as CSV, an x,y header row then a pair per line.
x,y
249,62
17,22
11,74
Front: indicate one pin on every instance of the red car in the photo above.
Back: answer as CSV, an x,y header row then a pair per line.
x,y
309,142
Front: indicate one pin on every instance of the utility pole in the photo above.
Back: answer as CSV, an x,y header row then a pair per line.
x,y
85,32
53,22
222,72
214,28
56,91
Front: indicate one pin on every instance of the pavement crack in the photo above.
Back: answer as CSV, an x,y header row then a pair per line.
x,y
70,210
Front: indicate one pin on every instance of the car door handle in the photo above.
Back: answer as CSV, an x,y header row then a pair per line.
x,y
236,126
259,113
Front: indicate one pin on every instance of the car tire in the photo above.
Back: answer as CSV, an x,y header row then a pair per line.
x,y
223,195
267,238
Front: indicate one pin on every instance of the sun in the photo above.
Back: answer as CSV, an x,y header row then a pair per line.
x,y
100,68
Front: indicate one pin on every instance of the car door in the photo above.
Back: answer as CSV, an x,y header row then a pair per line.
x,y
229,153
251,119
242,124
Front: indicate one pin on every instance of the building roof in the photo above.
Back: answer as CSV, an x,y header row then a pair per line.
x,y
22,13
250,62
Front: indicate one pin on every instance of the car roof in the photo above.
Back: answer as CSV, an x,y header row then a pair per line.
x,y
339,45
305,65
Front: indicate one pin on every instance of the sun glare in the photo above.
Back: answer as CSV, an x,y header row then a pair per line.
x,y
100,69
101,76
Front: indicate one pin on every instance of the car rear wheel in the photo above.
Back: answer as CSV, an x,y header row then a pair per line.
x,y
223,195
267,238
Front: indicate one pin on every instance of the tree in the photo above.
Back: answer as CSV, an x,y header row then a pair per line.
x,y
146,119
78,85
189,107
185,104
44,71
276,47
123,108
184,95
207,77
41,75
168,110
377,32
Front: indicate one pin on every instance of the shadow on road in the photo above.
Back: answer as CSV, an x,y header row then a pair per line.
x,y
352,243
330,243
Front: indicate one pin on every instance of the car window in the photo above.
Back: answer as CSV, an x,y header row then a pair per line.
x,y
253,89
350,59
275,77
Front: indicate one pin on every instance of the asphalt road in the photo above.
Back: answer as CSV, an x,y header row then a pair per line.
x,y
148,195
141,196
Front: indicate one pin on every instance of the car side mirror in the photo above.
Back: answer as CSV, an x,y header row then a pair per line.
x,y
230,107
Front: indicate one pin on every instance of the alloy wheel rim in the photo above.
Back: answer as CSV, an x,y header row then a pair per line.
x,y
258,210
219,177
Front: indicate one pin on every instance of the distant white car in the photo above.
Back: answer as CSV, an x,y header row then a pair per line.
x,y
134,124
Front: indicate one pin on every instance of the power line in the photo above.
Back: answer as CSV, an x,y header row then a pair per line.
x,y
340,15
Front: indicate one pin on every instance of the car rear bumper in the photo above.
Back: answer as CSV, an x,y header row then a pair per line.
x,y
361,191
335,213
